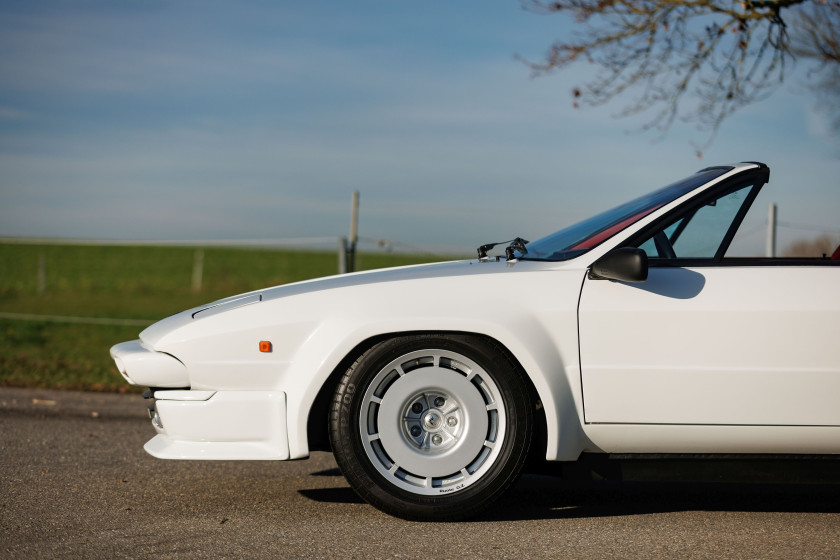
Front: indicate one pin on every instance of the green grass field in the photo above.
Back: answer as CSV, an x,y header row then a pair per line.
x,y
137,283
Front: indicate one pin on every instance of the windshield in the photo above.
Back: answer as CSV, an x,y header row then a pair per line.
x,y
576,240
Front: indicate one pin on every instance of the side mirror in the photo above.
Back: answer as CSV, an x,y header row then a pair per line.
x,y
627,264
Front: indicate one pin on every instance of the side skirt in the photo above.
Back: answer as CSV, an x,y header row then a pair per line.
x,y
687,467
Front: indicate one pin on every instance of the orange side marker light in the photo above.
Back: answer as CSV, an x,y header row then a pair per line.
x,y
265,346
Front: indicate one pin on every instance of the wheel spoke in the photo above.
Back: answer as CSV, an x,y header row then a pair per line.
x,y
426,399
451,407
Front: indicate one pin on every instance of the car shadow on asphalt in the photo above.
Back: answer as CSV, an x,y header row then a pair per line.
x,y
332,495
536,497
328,472
543,497
344,495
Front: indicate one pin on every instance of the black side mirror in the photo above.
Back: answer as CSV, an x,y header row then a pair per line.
x,y
627,264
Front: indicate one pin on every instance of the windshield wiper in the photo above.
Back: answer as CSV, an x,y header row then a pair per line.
x,y
516,244
482,251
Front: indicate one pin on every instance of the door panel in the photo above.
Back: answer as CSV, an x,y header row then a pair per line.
x,y
753,345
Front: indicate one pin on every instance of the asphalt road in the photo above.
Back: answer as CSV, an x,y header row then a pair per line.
x,y
76,483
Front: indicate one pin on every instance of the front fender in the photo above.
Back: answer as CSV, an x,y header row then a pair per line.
x,y
545,344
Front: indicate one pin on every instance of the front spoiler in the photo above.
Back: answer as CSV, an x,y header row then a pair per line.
x,y
214,425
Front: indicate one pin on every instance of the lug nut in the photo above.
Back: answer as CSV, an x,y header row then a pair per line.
x,y
439,401
436,439
451,421
417,408
415,431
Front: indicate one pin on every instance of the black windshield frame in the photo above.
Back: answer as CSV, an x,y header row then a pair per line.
x,y
580,238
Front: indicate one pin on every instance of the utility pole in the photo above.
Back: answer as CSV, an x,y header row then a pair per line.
x,y
770,250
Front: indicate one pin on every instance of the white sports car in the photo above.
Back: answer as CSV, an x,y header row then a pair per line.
x,y
633,332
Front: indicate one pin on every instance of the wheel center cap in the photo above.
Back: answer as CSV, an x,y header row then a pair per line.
x,y
432,421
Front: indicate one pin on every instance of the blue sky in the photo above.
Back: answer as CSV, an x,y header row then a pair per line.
x,y
219,120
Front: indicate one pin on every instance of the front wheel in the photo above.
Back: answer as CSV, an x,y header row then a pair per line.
x,y
431,427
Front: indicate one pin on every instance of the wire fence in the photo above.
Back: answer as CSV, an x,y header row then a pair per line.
x,y
105,321
118,282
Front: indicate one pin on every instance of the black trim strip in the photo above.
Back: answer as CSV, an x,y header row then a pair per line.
x,y
741,261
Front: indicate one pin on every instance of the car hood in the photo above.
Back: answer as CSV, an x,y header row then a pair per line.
x,y
414,272
155,332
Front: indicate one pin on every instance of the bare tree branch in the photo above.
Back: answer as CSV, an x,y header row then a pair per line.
x,y
725,54
818,39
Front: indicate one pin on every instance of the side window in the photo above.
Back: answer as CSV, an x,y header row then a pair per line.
x,y
699,232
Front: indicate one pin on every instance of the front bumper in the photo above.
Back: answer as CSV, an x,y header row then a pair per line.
x,y
203,424
244,425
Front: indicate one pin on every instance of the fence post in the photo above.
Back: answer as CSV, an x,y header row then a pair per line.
x,y
198,270
342,255
354,233
42,273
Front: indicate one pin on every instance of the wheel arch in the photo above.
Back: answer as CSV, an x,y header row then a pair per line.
x,y
318,421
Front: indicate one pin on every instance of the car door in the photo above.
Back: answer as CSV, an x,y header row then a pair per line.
x,y
709,340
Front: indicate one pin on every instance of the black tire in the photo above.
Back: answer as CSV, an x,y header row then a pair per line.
x,y
432,427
